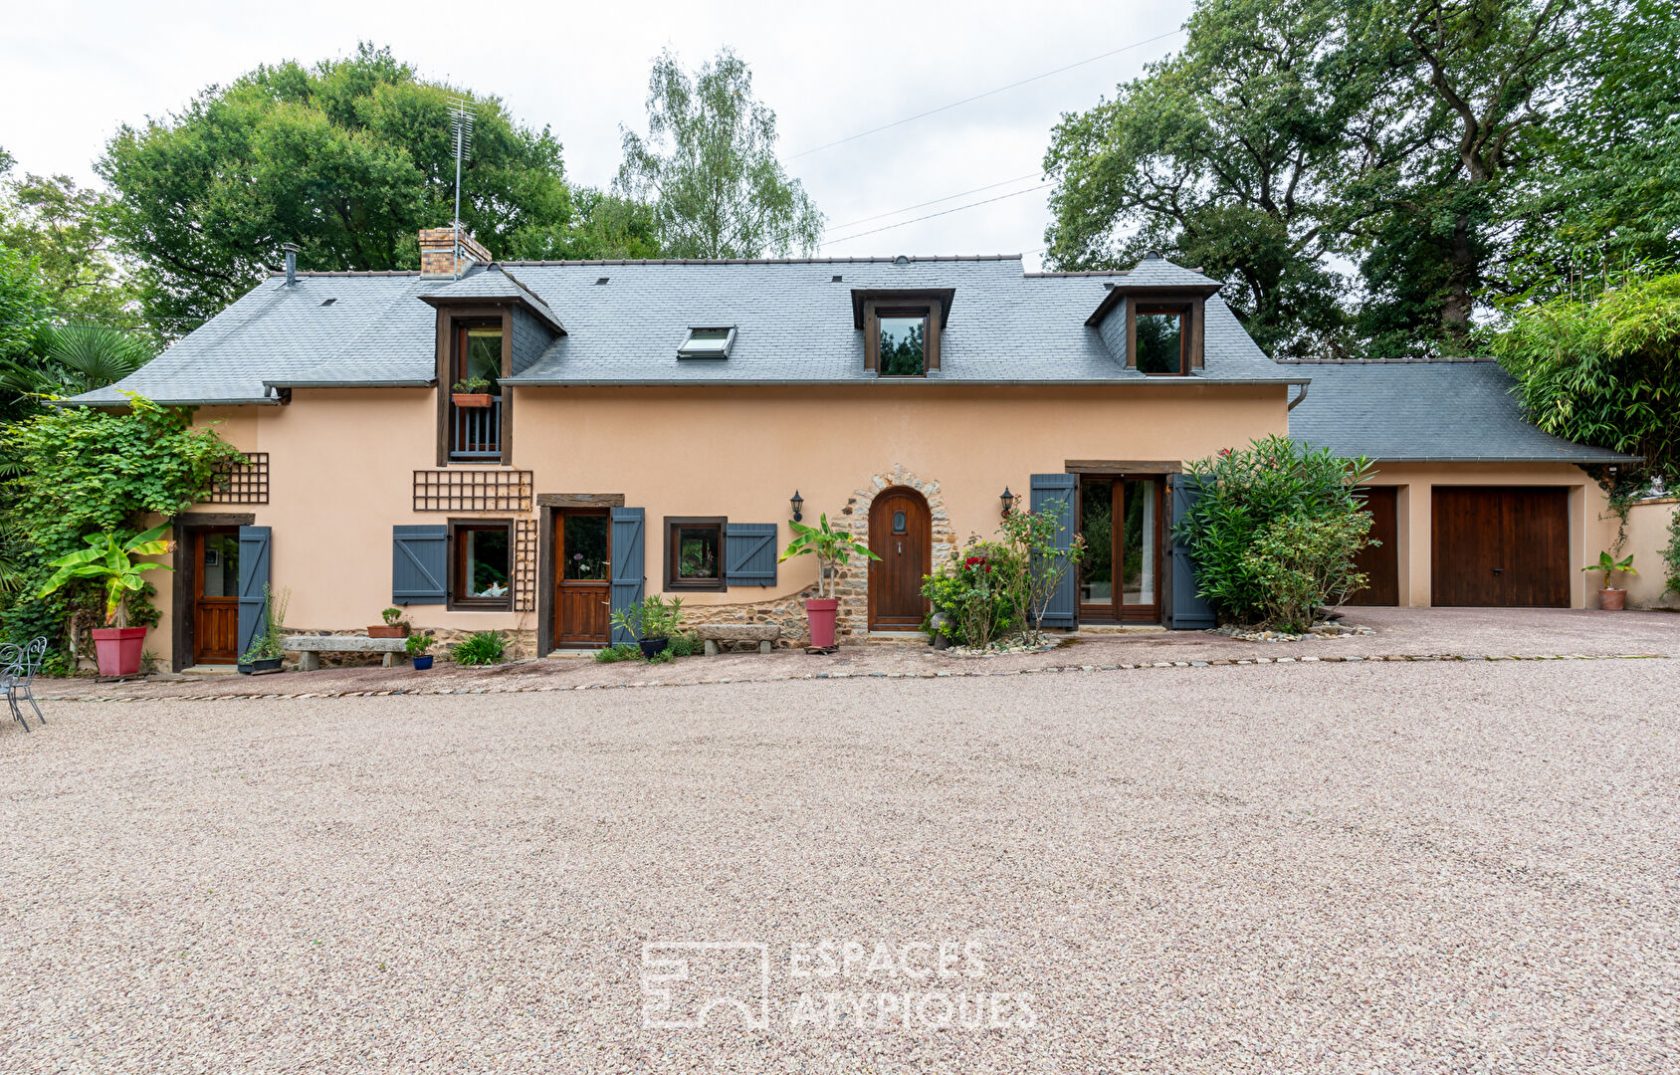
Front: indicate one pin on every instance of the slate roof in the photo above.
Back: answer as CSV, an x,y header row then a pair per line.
x,y
794,323
1443,410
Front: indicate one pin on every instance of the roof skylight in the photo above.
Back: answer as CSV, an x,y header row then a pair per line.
x,y
708,342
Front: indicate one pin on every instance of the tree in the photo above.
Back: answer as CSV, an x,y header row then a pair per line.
x,y
708,167
1471,85
1222,157
62,226
348,159
606,225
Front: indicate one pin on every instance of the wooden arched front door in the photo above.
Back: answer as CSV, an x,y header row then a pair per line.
x,y
901,534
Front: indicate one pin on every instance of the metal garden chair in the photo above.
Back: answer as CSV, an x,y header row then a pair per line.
x,y
18,665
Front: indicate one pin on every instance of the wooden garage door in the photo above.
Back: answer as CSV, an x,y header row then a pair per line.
x,y
1381,563
1501,546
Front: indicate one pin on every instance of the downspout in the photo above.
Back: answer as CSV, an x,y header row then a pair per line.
x,y
1297,400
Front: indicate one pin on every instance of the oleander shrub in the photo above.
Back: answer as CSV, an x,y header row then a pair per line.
x,y
1274,531
1671,555
975,597
481,647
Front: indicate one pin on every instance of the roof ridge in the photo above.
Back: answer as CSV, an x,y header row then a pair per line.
x,y
348,272
883,260
1433,360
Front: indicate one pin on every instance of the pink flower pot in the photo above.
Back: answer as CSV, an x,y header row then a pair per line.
x,y
820,615
1612,600
119,649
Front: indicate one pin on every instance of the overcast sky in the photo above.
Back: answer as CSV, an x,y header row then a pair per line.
x,y
830,71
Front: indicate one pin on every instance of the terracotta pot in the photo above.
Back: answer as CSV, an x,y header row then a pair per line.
x,y
820,614
119,649
470,399
392,630
1612,600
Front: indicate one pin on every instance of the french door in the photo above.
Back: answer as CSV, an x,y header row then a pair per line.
x,y
1121,518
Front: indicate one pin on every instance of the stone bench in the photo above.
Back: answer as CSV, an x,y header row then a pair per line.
x,y
310,647
712,633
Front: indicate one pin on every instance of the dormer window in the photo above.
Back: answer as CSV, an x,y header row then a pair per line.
x,y
707,343
1162,338
901,329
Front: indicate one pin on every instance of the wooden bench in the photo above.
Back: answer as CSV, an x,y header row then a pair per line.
x,y
765,634
310,647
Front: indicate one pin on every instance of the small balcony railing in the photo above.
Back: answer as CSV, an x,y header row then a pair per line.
x,y
476,432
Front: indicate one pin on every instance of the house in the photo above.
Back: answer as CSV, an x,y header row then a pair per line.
x,y
650,427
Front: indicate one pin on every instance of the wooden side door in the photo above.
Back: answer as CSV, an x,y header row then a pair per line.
x,y
901,534
216,595
582,577
1380,563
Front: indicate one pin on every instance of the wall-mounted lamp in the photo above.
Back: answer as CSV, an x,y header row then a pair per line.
x,y
1008,499
798,503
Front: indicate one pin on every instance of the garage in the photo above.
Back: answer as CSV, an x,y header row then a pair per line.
x,y
1380,561
1500,546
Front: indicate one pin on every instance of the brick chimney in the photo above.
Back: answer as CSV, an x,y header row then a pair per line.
x,y
437,252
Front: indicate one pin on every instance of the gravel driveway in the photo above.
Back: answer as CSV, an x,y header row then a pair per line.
x,y
1345,868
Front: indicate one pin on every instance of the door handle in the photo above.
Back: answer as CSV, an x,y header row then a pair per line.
x,y
1499,571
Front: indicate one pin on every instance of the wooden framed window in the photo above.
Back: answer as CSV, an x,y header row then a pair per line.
x,y
481,564
1161,338
474,343
478,354
695,552
901,339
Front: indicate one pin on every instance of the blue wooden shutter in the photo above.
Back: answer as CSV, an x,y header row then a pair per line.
x,y
750,550
419,565
255,543
1185,610
1056,491
628,574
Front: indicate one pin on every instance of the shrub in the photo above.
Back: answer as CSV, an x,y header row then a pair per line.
x,y
1253,503
480,647
651,617
624,651
418,644
1671,554
685,645
978,591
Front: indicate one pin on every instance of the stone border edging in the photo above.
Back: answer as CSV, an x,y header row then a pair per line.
x,y
554,688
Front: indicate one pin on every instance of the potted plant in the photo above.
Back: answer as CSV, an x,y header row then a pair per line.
x,y
651,622
110,560
393,627
470,392
833,549
266,650
416,646
1611,599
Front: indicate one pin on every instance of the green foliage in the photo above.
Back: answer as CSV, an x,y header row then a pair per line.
x,y
391,616
1671,556
651,617
833,549
348,158
470,384
78,471
1275,529
1610,567
418,644
479,648
69,360
624,651
1042,540
708,167
1299,563
25,313
112,561
980,594
1604,370
63,227
269,642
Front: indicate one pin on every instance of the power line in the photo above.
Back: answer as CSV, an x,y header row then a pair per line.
x,y
930,216
936,201
980,96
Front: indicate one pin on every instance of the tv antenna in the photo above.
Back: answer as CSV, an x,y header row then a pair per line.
x,y
461,124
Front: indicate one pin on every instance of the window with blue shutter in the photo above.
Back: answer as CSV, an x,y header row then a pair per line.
x,y
1185,610
1055,491
419,565
629,573
751,549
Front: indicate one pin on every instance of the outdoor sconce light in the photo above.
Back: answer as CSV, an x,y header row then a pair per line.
x,y
1008,499
798,503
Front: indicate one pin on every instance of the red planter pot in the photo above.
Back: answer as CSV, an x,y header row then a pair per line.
x,y
820,615
119,649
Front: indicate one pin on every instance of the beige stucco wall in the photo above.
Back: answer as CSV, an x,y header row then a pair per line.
x,y
1592,526
342,464
1647,537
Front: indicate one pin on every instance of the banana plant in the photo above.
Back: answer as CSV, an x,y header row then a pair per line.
x,y
832,548
110,558
1612,567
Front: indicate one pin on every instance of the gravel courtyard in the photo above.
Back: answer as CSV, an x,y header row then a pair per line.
x,y
1430,867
